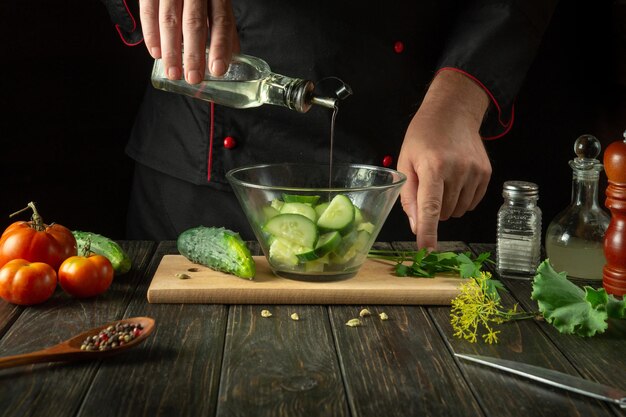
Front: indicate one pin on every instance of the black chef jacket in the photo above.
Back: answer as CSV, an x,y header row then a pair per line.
x,y
387,52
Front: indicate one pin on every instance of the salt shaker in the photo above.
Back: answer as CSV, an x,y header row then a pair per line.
x,y
518,246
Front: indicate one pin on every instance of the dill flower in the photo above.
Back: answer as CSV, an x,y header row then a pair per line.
x,y
478,309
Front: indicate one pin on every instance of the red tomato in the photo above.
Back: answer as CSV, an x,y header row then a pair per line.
x,y
37,242
27,283
85,276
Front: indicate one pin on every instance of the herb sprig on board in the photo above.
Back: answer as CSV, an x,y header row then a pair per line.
x,y
424,264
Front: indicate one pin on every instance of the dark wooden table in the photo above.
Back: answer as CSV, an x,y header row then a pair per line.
x,y
226,360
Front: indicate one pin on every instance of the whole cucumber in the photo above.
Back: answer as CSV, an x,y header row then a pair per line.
x,y
217,248
104,246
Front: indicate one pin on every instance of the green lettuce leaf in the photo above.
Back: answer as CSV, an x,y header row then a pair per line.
x,y
616,308
569,308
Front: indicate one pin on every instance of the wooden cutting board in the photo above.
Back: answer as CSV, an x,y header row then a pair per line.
x,y
375,283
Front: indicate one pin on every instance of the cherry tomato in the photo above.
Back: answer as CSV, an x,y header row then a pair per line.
x,y
85,276
37,242
27,283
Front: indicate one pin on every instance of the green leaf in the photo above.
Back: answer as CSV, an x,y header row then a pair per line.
x,y
467,270
483,257
492,286
402,270
419,256
443,256
616,309
467,267
566,306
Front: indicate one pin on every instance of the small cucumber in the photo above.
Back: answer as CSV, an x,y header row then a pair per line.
x,y
104,246
217,248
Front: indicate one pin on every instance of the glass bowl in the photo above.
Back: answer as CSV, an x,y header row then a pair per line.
x,y
312,224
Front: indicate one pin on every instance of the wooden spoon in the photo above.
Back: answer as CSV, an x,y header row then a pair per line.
x,y
70,350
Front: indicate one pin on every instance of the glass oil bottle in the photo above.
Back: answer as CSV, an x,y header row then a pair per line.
x,y
575,238
248,82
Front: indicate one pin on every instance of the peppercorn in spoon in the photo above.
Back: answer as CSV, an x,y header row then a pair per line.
x,y
101,341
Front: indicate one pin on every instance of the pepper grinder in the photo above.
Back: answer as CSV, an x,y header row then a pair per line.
x,y
614,272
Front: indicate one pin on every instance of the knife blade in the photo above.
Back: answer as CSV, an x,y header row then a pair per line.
x,y
557,379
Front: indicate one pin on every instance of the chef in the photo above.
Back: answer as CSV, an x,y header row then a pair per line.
x,y
432,80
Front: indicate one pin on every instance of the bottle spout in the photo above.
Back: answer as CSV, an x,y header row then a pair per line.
x,y
341,93
327,102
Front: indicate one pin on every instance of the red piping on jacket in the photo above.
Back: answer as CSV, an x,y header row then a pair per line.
x,y
119,32
210,161
508,125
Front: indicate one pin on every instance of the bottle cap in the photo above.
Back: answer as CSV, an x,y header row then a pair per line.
x,y
520,189
587,148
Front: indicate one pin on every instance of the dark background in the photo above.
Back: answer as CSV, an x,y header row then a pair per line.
x,y
70,90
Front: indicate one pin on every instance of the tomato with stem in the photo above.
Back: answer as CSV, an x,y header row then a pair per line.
x,y
86,276
36,241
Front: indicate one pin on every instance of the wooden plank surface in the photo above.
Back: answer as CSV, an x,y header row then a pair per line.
x,y
400,366
375,283
175,372
276,366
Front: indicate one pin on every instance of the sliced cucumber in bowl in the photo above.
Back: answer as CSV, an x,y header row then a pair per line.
x,y
339,215
325,244
309,237
294,228
300,208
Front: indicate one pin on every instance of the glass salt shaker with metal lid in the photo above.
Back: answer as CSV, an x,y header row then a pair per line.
x,y
575,238
518,245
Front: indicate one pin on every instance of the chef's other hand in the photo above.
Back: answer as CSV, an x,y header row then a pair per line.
x,y
443,156
166,23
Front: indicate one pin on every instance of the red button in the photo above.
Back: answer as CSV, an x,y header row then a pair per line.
x,y
229,142
398,47
387,161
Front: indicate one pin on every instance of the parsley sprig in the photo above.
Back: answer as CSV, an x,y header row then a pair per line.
x,y
424,264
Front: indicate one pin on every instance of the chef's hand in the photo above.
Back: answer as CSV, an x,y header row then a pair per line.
x,y
166,23
443,156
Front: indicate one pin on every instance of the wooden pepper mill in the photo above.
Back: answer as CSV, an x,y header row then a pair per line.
x,y
614,272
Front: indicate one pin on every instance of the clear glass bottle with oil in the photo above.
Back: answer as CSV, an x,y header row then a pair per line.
x,y
248,82
575,238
